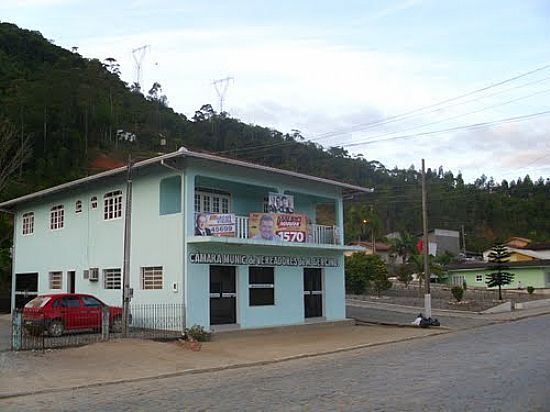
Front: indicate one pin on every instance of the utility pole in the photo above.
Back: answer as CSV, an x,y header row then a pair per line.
x,y
426,252
463,241
127,292
221,86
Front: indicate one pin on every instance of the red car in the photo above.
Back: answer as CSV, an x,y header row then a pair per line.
x,y
57,313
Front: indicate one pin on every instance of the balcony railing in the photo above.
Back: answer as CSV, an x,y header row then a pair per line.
x,y
317,234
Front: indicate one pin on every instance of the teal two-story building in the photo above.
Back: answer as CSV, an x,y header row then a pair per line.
x,y
204,232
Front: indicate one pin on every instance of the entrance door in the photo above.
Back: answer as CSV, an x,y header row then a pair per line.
x,y
26,288
313,293
223,296
71,275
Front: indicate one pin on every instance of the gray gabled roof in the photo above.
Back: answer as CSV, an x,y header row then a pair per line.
x,y
181,153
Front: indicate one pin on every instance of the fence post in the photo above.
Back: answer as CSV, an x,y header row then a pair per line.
x,y
105,323
16,330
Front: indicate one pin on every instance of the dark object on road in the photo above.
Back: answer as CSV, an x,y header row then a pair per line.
x,y
425,322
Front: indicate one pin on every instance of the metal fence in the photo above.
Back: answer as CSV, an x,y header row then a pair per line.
x,y
40,331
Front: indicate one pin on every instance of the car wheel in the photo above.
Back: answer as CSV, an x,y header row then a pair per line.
x,y
116,327
56,328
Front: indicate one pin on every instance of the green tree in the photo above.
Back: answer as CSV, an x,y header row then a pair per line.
x,y
499,276
13,152
405,274
366,271
379,278
357,277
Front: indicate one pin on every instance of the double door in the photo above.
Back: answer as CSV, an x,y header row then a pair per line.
x,y
313,293
223,295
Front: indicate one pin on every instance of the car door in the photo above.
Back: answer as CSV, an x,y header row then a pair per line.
x,y
72,312
92,309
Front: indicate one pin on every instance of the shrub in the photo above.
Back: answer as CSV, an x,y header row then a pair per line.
x,y
530,289
196,332
457,292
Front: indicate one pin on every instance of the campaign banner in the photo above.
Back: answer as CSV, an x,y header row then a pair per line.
x,y
283,227
280,203
215,224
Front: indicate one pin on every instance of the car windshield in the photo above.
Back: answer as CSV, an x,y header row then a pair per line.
x,y
38,302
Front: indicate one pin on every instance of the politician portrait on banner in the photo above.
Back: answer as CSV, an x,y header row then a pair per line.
x,y
280,203
285,227
215,224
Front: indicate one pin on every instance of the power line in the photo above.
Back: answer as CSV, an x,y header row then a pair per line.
x,y
407,114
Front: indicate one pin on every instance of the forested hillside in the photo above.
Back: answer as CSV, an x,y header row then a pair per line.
x,y
73,109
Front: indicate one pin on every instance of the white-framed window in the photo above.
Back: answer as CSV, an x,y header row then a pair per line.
x,y
479,278
151,277
112,205
56,280
261,286
112,278
93,202
57,217
78,206
212,201
28,223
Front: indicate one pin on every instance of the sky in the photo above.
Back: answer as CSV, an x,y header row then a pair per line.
x,y
462,84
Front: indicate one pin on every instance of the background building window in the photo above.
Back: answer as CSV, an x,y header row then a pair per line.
x,y
112,205
57,217
78,206
111,278
151,277
479,278
28,223
261,286
56,280
93,202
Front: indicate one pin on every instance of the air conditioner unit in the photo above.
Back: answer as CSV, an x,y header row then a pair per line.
x,y
94,274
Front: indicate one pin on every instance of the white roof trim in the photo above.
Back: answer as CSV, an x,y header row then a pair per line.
x,y
182,152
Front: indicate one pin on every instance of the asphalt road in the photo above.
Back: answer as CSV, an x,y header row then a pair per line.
x,y
500,367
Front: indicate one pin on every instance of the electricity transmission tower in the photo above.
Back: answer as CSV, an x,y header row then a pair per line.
x,y
139,55
221,86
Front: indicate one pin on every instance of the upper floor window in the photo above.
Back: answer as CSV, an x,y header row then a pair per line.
x,y
112,205
78,206
93,202
57,217
212,201
28,223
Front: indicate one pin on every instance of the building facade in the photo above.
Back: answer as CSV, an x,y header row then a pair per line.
x,y
232,242
535,273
